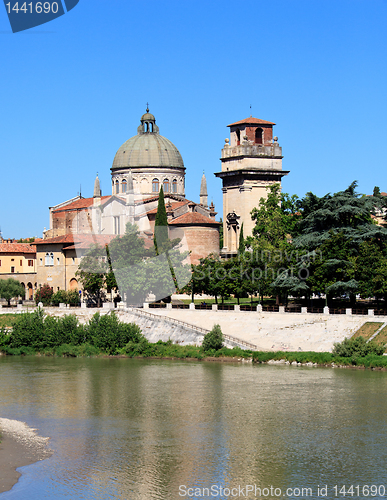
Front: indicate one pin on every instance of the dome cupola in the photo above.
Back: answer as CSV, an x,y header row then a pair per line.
x,y
153,160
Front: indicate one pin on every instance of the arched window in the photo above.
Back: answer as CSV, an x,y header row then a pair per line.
x,y
117,187
258,136
174,186
73,284
238,134
47,259
166,186
51,259
124,184
155,186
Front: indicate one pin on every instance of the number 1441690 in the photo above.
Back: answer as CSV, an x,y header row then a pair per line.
x,y
30,8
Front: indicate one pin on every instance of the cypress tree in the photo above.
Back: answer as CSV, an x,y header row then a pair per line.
x,y
161,224
241,246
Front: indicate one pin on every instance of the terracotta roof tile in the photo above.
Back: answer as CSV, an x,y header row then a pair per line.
x,y
252,121
80,204
71,239
175,205
17,248
193,218
87,240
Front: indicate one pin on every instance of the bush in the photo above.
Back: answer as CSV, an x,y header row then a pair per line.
x,y
213,339
59,297
44,295
73,298
110,335
357,347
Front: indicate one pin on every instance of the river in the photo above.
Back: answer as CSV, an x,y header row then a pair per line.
x,y
134,429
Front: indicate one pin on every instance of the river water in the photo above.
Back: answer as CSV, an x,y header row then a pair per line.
x,y
133,429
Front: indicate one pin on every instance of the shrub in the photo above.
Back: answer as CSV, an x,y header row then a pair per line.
x,y
44,295
110,335
357,347
213,339
73,297
59,297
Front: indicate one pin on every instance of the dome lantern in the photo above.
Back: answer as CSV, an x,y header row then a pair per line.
x,y
148,124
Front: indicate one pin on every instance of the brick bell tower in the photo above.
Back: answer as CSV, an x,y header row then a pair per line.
x,y
251,162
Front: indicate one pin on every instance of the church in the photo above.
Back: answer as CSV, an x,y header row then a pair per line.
x,y
251,161
143,164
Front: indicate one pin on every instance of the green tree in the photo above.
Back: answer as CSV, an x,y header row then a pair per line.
x,y
221,234
369,268
92,272
346,212
376,191
332,271
129,263
11,288
59,297
213,339
241,246
161,225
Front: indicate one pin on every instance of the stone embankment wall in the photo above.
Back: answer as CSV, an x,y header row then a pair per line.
x,y
267,331
154,327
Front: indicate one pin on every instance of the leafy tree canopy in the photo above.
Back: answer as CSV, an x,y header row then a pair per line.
x,y
276,216
346,212
11,288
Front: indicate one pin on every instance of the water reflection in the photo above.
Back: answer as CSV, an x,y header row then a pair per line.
x,y
139,429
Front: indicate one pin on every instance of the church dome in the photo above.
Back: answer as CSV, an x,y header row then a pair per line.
x,y
148,148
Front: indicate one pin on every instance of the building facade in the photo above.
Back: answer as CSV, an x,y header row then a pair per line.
x,y
18,261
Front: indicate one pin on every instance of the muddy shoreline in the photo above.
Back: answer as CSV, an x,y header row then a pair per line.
x,y
20,446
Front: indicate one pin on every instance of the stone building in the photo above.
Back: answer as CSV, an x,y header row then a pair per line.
x,y
141,166
251,162
18,261
58,258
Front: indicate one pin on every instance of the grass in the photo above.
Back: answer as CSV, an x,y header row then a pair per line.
x,y
322,358
367,330
381,337
7,319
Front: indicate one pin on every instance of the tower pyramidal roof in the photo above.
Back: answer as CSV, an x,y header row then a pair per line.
x,y
203,186
97,188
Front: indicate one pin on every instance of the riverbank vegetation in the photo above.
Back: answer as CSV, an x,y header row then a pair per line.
x,y
37,333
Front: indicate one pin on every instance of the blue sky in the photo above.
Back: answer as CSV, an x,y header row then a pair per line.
x,y
73,90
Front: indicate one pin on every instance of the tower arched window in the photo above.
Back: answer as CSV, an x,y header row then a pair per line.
x,y
47,259
258,136
117,187
166,185
124,186
155,186
238,134
174,186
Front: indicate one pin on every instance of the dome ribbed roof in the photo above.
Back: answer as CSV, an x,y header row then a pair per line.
x,y
148,148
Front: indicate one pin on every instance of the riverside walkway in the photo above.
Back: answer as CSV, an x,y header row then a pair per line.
x,y
272,331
